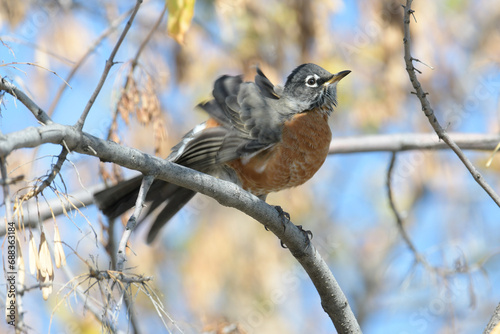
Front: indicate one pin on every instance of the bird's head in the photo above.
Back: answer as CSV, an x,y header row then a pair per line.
x,y
312,87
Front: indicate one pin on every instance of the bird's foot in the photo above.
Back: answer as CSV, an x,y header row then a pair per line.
x,y
285,216
285,219
308,233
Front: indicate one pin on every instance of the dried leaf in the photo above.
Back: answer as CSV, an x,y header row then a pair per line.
x,y
45,267
33,256
59,256
180,14
46,290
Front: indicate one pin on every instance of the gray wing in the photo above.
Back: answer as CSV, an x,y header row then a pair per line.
x,y
249,117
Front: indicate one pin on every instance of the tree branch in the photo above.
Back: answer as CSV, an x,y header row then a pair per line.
x,y
411,141
107,68
226,193
132,222
429,112
340,145
493,324
112,27
133,65
39,114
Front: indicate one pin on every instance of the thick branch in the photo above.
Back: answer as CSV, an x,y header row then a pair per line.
x,y
412,141
332,298
429,112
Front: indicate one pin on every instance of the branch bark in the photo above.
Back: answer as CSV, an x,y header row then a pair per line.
x,y
226,193
412,141
494,323
132,222
109,63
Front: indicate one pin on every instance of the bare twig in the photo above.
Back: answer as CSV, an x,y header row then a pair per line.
x,y
134,63
35,65
132,222
10,88
429,112
118,276
460,266
109,63
56,168
397,215
89,304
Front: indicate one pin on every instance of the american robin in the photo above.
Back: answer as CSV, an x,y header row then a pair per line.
x,y
262,137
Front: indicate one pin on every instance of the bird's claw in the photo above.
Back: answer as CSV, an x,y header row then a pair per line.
x,y
308,233
285,216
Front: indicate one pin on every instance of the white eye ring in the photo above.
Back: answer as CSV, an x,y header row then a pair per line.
x,y
312,80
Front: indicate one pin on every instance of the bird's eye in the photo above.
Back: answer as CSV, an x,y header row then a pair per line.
x,y
311,81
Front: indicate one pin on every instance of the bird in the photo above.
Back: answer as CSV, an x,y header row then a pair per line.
x,y
261,136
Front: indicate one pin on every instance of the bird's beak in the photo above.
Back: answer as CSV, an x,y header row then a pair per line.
x,y
336,77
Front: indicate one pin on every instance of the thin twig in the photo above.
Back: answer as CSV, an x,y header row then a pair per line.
x,y
109,63
56,168
35,65
442,272
88,304
132,222
40,115
397,215
118,276
134,63
129,303
429,112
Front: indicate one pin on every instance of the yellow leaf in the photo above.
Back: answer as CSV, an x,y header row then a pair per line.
x,y
180,14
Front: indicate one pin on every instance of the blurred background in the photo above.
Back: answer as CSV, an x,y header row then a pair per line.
x,y
214,266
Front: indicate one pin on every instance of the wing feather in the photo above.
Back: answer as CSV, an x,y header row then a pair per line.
x,y
250,117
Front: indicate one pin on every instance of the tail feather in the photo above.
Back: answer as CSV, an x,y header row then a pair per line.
x,y
116,200
173,205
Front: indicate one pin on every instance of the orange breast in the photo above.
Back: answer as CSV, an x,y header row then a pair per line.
x,y
303,149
